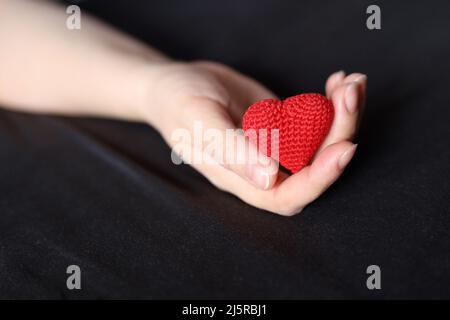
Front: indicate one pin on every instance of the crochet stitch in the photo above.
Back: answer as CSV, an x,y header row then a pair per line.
x,y
303,122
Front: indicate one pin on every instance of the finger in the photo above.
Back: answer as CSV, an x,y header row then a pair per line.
x,y
232,177
290,196
347,98
222,144
300,189
243,158
333,82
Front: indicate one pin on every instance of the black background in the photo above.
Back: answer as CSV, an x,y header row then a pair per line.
x,y
104,194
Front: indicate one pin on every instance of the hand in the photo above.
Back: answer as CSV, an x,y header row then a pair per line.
x,y
105,73
217,96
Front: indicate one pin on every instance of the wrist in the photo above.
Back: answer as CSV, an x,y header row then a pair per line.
x,y
153,97
133,94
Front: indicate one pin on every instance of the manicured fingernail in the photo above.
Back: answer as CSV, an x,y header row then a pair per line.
x,y
351,97
345,158
258,175
340,74
361,78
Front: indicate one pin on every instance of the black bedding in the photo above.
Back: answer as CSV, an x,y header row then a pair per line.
x,y
104,195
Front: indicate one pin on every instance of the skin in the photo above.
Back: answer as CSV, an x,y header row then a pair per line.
x,y
99,71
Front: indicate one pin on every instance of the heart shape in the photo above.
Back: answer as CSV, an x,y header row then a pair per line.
x,y
303,121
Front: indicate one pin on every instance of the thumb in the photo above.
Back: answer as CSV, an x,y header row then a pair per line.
x,y
243,158
216,141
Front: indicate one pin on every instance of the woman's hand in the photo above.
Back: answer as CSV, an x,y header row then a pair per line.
x,y
216,97
99,71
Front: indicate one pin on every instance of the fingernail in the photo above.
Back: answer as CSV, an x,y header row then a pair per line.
x,y
258,175
351,97
361,78
345,158
340,74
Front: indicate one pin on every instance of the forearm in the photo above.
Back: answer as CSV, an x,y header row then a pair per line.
x,y
94,71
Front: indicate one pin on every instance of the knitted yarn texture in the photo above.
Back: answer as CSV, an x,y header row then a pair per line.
x,y
303,122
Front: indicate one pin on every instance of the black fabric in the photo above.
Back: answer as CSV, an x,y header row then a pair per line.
x,y
104,195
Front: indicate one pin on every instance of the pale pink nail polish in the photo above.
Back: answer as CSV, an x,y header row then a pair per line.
x,y
351,97
258,175
361,78
340,74
345,158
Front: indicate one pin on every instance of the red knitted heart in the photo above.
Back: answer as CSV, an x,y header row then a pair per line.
x,y
303,122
